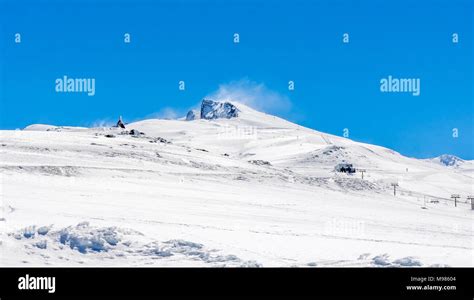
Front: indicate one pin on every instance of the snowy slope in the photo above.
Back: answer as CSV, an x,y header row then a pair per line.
x,y
248,190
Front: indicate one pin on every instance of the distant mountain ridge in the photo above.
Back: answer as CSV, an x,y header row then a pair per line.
x,y
237,114
448,160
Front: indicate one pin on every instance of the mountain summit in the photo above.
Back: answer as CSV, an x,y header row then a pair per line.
x,y
211,109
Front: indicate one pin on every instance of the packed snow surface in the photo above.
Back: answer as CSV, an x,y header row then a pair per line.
x,y
240,189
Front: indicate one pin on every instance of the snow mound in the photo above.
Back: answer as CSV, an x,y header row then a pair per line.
x,y
97,243
44,127
381,260
84,239
40,127
408,262
198,251
384,261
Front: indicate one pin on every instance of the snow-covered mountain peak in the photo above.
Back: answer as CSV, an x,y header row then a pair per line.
x,y
448,160
221,109
211,110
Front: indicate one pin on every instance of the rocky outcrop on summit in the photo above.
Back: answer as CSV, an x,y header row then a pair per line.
x,y
218,110
211,110
193,115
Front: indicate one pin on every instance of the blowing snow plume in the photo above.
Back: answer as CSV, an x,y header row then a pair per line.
x,y
253,94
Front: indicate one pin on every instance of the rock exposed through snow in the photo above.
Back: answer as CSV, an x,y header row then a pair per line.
x,y
211,110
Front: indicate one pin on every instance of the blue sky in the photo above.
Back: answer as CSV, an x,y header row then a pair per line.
x,y
337,85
